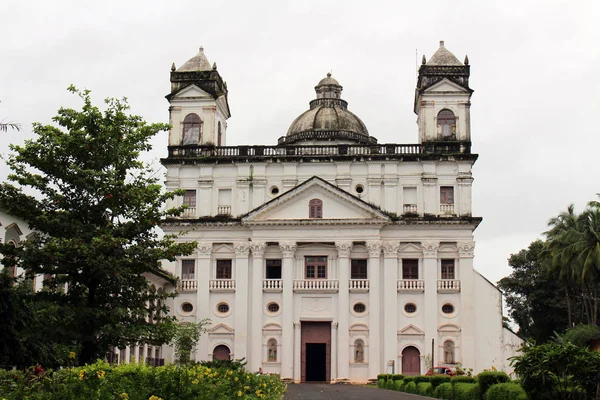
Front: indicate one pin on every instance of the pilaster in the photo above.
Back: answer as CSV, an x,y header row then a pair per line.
x,y
467,300
258,253
375,318
242,300
203,311
390,300
297,351
336,352
430,306
343,249
287,330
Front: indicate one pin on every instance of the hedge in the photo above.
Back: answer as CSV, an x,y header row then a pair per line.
x,y
411,387
425,389
399,386
420,378
409,379
467,391
397,377
489,378
506,391
381,383
463,379
444,391
390,385
437,380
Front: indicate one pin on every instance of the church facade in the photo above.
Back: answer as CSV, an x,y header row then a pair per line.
x,y
329,256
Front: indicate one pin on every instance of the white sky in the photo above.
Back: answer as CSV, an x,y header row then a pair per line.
x,y
533,65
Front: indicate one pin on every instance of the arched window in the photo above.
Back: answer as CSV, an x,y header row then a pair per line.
x,y
449,352
221,352
272,350
446,122
219,134
315,208
192,129
359,351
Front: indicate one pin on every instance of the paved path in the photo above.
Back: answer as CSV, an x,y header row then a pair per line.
x,y
317,391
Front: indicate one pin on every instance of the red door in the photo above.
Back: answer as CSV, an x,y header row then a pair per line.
x,y
411,361
221,352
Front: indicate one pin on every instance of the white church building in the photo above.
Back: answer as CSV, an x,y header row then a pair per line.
x,y
329,256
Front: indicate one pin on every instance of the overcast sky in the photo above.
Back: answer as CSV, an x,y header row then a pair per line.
x,y
534,69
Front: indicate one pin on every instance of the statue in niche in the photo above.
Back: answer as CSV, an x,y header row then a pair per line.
x,y
359,351
272,351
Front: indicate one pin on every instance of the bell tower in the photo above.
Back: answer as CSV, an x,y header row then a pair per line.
x,y
443,98
199,108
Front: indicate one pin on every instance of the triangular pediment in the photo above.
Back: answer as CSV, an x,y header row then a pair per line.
x,y
192,91
411,330
222,329
446,85
337,206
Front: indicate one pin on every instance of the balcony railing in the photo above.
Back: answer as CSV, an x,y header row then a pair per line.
x,y
447,209
189,212
448,286
388,150
272,285
358,285
221,285
410,208
224,210
316,285
188,285
411,285
155,362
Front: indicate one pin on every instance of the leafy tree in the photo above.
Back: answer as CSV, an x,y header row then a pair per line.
x,y
535,298
186,338
573,242
582,335
81,186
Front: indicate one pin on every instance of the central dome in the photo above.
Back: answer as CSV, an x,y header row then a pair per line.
x,y
328,119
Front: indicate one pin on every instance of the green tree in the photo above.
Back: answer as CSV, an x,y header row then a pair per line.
x,y
535,298
186,338
573,242
81,186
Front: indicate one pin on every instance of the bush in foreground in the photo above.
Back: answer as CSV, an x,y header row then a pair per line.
x,y
467,391
506,391
102,381
425,389
444,391
489,378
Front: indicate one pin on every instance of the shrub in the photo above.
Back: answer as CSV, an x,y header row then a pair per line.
x,y
390,384
582,335
462,379
425,389
421,378
381,383
444,391
489,378
411,387
437,380
399,386
506,391
397,377
382,376
409,379
467,391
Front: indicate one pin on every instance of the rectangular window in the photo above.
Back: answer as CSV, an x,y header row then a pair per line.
x,y
224,269
446,195
410,268
315,267
273,269
358,269
409,195
188,269
189,198
448,269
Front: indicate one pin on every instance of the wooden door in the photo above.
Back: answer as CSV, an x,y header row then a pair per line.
x,y
411,361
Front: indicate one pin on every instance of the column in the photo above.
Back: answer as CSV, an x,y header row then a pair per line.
x,y
242,301
390,300
258,253
375,317
465,182
287,330
203,306
430,306
336,355
467,303
431,197
297,351
343,248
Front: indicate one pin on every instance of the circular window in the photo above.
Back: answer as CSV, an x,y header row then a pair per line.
x,y
360,308
410,308
447,308
273,307
359,189
223,308
187,307
274,191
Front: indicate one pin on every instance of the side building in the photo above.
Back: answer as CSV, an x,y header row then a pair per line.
x,y
329,256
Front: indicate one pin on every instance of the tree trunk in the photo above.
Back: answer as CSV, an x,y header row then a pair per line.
x,y
570,314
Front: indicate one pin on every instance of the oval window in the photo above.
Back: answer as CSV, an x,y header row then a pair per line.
x,y
360,308
187,307
447,308
410,308
273,307
223,308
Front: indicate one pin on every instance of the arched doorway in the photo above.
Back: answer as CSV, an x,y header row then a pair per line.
x,y
221,352
411,361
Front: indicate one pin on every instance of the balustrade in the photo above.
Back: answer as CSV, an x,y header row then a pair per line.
x,y
188,285
224,210
221,285
410,208
272,285
317,285
189,212
411,285
448,286
358,285
447,209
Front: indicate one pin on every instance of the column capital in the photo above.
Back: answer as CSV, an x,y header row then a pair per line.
x,y
391,249
204,249
343,248
258,248
430,249
288,249
241,249
466,249
334,325
374,248
297,325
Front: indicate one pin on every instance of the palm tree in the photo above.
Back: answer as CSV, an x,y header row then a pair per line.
x,y
5,125
573,242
